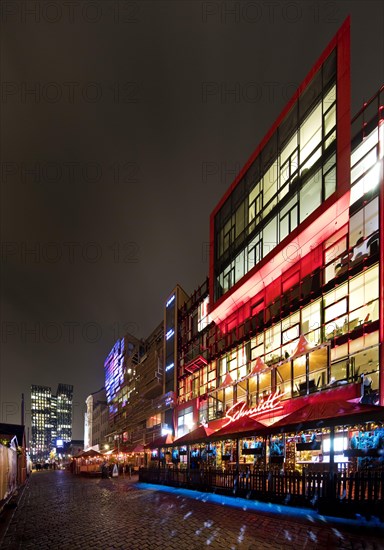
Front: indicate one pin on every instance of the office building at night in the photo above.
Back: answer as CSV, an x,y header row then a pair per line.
x,y
51,420
290,330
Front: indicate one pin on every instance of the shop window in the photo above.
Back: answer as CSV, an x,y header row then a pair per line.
x,y
371,218
203,381
241,391
318,365
311,322
336,320
257,347
232,363
203,412
290,334
356,228
252,391
265,384
228,398
184,421
299,376
212,375
215,408
336,259
367,361
339,371
335,311
363,298
272,344
222,366
284,379
366,341
310,195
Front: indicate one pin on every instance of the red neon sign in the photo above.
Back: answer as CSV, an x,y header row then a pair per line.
x,y
238,410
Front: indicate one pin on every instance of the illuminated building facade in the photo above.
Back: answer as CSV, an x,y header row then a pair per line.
x,y
296,265
64,402
120,376
96,419
51,419
174,302
42,427
135,386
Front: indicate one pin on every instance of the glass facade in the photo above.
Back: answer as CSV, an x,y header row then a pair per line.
x,y
334,310
51,419
291,177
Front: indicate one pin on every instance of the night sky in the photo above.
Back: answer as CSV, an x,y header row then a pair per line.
x,y
122,124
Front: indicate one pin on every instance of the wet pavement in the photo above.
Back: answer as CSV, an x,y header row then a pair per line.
x,y
60,511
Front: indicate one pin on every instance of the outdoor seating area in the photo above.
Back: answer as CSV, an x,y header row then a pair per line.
x,y
291,460
92,463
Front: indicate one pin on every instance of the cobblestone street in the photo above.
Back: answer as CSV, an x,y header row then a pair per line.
x,y
58,510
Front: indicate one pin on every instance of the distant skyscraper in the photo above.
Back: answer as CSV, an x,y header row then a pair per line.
x,y
41,399
51,419
64,399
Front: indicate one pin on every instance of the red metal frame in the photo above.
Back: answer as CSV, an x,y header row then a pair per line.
x,y
341,41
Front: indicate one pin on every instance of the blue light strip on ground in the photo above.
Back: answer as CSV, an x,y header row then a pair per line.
x,y
264,507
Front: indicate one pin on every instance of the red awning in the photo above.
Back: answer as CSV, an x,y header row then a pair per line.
x,y
242,426
258,367
199,434
303,347
328,413
228,381
161,441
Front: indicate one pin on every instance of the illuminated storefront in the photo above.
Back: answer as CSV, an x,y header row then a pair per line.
x,y
295,294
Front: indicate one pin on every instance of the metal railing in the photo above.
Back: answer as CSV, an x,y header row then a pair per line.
x,y
338,494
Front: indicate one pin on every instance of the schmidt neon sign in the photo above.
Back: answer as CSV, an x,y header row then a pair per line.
x,y
240,409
